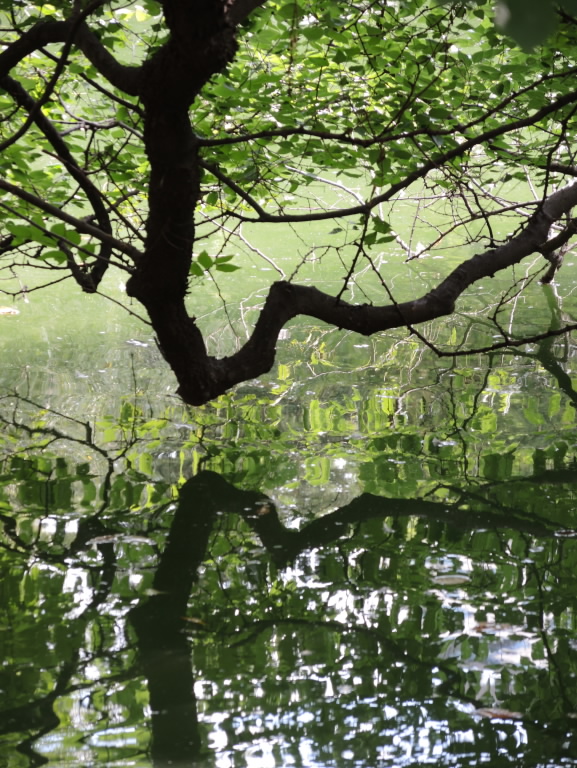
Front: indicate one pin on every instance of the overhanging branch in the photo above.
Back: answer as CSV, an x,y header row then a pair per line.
x,y
90,280
286,301
419,173
42,33
239,10
78,224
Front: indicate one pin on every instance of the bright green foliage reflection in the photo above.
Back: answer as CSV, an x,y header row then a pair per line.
x,y
366,567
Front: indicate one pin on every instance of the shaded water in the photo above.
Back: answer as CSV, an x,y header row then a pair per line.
x,y
366,558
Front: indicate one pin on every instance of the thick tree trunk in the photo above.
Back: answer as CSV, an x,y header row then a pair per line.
x,y
201,43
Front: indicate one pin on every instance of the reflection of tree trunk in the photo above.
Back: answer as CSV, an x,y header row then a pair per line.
x,y
158,623
164,651
165,660
163,646
284,544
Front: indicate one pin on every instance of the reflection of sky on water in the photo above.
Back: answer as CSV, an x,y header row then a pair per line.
x,y
431,743
258,736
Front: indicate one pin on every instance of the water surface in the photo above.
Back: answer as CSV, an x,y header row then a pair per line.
x,y
366,558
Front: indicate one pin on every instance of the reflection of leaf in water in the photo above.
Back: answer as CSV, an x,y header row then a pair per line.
x,y
120,538
567,533
489,626
498,714
451,579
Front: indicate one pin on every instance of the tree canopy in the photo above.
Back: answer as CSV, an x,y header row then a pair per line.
x,y
134,134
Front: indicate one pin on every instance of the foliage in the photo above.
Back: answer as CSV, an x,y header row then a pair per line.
x,y
161,140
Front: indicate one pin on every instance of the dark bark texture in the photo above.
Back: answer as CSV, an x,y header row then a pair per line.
x,y
202,42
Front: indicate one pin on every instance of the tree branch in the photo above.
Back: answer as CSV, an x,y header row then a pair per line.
x,y
419,173
78,224
127,79
239,10
286,301
224,179
90,280
44,32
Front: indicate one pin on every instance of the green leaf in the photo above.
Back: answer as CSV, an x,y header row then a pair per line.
x,y
24,232
55,255
204,260
70,235
289,11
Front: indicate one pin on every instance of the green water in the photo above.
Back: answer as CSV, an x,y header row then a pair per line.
x,y
366,558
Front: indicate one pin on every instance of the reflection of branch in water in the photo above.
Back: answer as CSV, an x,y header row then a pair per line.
x,y
545,352
208,494
551,655
50,433
285,544
159,622
38,716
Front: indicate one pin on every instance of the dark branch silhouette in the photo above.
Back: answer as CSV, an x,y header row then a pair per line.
x,y
201,42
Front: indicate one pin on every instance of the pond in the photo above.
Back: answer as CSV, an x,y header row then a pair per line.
x,y
366,558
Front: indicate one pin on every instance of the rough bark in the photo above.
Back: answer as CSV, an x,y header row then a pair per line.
x,y
202,42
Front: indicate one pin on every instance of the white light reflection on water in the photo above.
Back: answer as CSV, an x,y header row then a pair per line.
x,y
429,744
